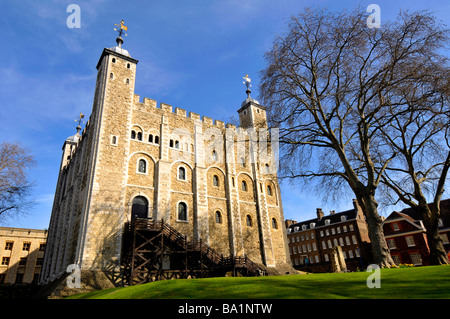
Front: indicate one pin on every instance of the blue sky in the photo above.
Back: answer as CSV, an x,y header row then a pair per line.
x,y
192,54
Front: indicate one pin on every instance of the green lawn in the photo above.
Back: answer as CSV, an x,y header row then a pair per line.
x,y
410,283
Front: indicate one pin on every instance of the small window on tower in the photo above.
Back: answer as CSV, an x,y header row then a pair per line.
x,y
128,65
249,221
113,60
111,76
128,81
114,140
142,166
244,186
218,216
182,173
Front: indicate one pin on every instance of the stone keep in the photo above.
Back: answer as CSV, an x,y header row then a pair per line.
x,y
135,156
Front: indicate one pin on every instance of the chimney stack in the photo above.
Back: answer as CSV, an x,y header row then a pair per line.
x,y
319,213
332,212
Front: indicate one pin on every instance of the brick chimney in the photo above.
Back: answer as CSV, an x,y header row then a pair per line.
x,y
320,213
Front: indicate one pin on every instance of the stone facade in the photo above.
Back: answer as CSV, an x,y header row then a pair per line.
x,y
207,179
22,254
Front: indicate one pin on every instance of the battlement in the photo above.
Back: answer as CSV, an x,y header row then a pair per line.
x,y
148,105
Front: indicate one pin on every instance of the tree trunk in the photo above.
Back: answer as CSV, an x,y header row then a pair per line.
x,y
438,255
380,251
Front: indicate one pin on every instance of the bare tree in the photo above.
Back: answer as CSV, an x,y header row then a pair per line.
x,y
417,129
324,87
14,184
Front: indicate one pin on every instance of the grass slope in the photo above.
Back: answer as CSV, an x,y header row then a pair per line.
x,y
410,283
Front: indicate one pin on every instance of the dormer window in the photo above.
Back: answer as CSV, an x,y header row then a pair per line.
x,y
343,218
304,227
327,222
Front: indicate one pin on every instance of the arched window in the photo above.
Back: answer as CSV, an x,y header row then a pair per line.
x,y
182,211
244,186
274,223
128,81
139,136
150,138
182,173
267,169
133,135
218,217
113,60
249,220
156,139
214,156
128,65
142,166
177,144
140,207
216,180
269,190
111,75
347,240
171,143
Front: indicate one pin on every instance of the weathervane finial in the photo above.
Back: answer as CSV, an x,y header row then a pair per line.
x,y
79,118
122,28
247,82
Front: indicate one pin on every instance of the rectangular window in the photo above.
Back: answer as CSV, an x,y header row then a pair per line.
x,y
444,238
391,244
410,241
41,247
5,261
396,259
26,246
9,245
416,258
395,227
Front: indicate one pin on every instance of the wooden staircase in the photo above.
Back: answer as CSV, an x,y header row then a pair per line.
x,y
153,250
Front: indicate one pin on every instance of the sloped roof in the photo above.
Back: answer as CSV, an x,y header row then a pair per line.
x,y
334,218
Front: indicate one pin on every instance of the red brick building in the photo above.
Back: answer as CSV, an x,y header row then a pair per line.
x,y
406,237
311,241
